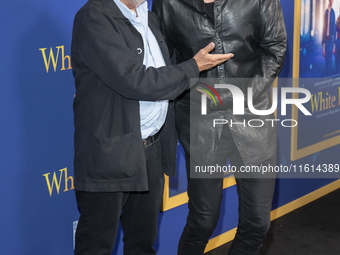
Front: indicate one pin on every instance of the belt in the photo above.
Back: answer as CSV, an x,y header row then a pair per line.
x,y
151,140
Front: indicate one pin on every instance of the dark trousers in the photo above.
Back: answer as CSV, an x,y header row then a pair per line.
x,y
205,196
100,213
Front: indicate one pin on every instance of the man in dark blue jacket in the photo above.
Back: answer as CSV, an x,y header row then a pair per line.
x,y
125,139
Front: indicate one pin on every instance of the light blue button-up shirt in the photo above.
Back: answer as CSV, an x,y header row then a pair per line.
x,y
152,113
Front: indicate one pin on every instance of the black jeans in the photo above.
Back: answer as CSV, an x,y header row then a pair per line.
x,y
100,213
205,196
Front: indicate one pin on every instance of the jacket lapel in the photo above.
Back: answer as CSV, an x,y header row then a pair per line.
x,y
113,9
159,37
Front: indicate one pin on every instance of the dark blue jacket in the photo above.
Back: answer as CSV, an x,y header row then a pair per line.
x,y
110,80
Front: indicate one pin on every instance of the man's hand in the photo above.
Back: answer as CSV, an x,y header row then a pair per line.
x,y
207,61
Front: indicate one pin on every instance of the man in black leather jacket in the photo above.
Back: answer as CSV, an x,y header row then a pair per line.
x,y
254,31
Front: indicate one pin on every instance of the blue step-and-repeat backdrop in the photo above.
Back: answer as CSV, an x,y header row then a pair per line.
x,y
38,211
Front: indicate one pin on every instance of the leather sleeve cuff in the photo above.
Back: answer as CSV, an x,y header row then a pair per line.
x,y
190,68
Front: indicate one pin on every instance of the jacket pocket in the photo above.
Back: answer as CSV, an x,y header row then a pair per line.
x,y
115,157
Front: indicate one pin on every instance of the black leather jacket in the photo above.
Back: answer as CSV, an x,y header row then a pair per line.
x,y
254,31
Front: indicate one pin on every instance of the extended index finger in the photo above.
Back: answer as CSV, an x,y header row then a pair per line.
x,y
223,56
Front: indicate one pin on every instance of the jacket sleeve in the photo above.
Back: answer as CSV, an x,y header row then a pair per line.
x,y
273,38
273,44
100,47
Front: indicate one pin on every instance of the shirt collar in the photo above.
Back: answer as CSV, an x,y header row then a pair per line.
x,y
141,9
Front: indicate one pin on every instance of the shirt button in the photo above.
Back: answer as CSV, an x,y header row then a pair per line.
x,y
217,34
